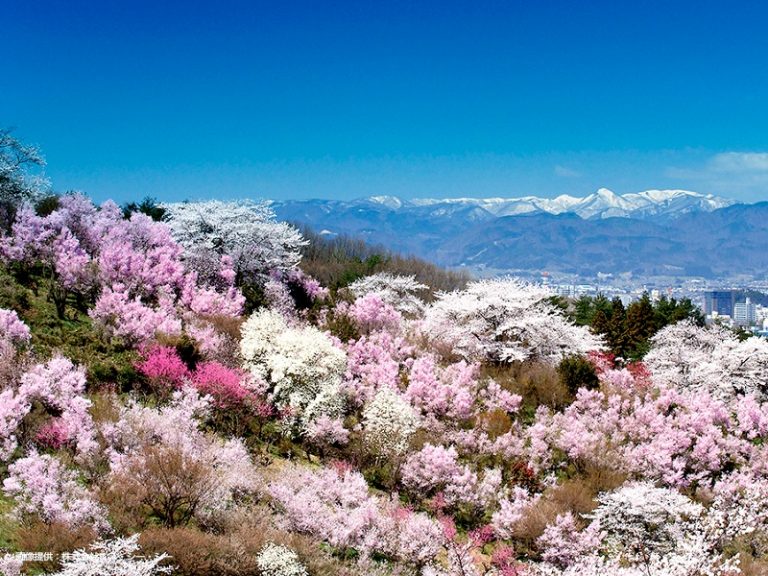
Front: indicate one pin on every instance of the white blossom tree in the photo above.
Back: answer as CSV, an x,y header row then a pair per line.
x,y
277,560
389,422
300,363
245,231
113,558
400,292
647,531
504,320
710,359
19,178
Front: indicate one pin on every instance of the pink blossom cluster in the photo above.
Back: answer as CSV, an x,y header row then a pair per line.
x,y
12,329
563,543
60,386
678,438
371,313
336,507
436,468
42,485
135,266
146,287
375,361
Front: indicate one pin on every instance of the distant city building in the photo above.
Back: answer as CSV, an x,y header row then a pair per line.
x,y
720,302
745,313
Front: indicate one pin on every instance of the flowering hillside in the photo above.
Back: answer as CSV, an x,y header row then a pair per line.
x,y
177,396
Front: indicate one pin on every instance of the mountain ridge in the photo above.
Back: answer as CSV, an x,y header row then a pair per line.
x,y
649,233
604,203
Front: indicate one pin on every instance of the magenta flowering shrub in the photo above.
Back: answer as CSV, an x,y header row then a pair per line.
x,y
162,366
225,385
229,388
53,434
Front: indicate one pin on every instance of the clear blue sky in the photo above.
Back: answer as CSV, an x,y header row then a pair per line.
x,y
291,99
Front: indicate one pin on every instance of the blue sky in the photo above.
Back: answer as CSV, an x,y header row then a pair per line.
x,y
292,99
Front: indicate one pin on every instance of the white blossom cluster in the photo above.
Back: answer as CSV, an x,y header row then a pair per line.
x,y
648,531
389,422
709,359
301,364
505,320
245,231
640,520
113,558
276,560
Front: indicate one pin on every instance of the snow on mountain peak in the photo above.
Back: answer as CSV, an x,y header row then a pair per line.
x,y
603,203
389,201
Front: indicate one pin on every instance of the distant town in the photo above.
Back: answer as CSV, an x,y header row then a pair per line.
x,y
729,303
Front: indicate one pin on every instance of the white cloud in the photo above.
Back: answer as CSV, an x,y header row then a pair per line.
x,y
742,175
566,172
739,162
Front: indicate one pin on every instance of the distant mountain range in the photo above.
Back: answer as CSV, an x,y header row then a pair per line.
x,y
602,204
656,232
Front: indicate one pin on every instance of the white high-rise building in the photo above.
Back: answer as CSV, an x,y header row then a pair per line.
x,y
745,313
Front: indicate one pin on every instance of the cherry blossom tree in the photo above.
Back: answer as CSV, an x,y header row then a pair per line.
x,y
116,557
503,321
301,365
389,421
40,484
708,359
245,231
20,179
403,293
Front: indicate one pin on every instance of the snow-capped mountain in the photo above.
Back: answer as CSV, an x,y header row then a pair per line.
x,y
602,204
648,232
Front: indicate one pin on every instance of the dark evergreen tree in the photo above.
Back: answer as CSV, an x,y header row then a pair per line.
x,y
641,325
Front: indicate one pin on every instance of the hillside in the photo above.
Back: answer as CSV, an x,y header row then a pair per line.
x,y
179,388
